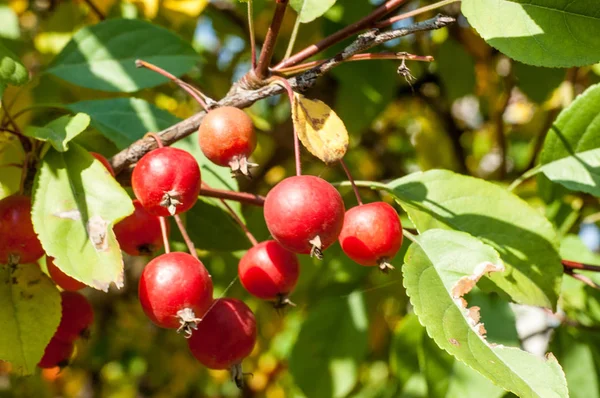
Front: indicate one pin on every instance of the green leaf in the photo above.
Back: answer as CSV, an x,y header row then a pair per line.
x,y
12,71
211,228
559,33
456,68
60,131
440,268
330,348
76,204
537,83
11,156
29,315
525,240
571,154
103,56
309,10
124,120
577,351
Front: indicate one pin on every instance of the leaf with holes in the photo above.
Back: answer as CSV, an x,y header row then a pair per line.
x,y
440,268
60,131
571,151
321,131
103,56
526,241
124,120
309,10
558,33
29,315
76,204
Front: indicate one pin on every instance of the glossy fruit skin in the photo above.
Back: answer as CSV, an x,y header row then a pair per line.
x,y
61,279
104,162
56,353
77,317
268,271
139,234
17,236
226,133
371,233
225,336
164,171
172,282
302,207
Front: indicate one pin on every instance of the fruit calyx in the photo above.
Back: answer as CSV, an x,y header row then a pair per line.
x,y
240,165
237,375
282,302
188,321
317,247
171,200
384,265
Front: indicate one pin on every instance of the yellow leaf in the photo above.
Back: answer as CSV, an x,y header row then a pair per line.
x,y
320,130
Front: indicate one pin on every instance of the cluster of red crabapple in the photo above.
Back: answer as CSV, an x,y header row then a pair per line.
x,y
304,214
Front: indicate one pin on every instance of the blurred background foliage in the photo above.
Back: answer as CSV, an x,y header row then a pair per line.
x,y
473,110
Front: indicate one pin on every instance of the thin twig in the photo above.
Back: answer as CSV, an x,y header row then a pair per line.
x,y
193,92
340,35
290,92
354,187
241,97
293,38
358,57
165,234
584,279
387,22
266,55
95,9
571,265
185,236
242,197
251,31
239,221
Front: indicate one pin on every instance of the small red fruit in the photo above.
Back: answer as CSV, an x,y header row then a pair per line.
x,y
225,336
166,181
57,353
18,241
227,138
139,234
104,162
304,214
372,234
175,291
61,279
269,272
77,317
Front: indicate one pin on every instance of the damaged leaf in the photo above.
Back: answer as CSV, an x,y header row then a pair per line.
x,y
29,315
76,204
440,268
320,130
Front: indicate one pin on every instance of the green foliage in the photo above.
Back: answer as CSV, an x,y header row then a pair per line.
x,y
563,33
525,240
60,131
441,266
30,313
124,120
570,154
12,71
332,342
76,204
309,10
103,56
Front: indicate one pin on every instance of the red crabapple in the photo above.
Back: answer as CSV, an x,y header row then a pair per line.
x,y
18,241
61,279
175,290
304,214
372,234
104,162
56,353
77,316
139,234
227,138
269,272
166,181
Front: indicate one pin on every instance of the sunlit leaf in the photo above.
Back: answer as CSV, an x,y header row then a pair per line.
x,y
309,10
60,131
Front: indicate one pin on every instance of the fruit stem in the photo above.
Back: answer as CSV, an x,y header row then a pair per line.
x,y
266,55
392,20
571,265
409,236
165,236
340,35
293,38
358,57
192,91
251,30
243,197
186,237
156,138
290,92
354,187
582,278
